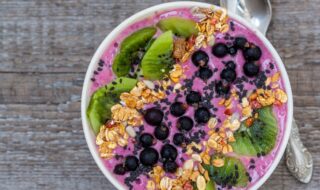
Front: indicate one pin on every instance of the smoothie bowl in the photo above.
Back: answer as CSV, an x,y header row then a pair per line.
x,y
186,96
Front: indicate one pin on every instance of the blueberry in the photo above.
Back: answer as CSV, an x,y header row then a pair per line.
x,y
251,69
205,73
231,65
240,42
149,156
179,139
222,88
229,75
153,116
185,123
200,58
170,166
233,50
193,98
119,169
202,115
161,132
252,53
220,50
146,140
131,163
169,152
178,109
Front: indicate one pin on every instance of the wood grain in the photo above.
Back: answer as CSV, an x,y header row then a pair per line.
x,y
45,48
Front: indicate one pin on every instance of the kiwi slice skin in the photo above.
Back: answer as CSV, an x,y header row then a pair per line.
x,y
260,138
158,59
179,26
129,46
233,173
99,110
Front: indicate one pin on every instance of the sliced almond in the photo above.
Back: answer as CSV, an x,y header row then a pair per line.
x,y
201,183
151,185
166,183
196,157
131,132
218,162
188,165
149,84
212,122
275,77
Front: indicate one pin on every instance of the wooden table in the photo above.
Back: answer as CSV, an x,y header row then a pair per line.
x,y
45,48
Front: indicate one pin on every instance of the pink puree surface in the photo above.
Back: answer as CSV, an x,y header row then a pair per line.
x,y
105,76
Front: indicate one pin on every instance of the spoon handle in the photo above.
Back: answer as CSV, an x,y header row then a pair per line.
x,y
298,159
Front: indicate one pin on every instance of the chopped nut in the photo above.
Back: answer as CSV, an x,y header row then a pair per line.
x,y
131,132
235,125
196,157
212,143
188,165
212,122
206,175
275,85
151,185
112,145
149,84
201,169
275,77
176,73
122,142
206,158
218,162
166,183
244,102
179,48
268,81
249,122
247,111
281,96
177,86
194,175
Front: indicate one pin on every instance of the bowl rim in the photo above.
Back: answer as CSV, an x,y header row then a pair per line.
x,y
85,97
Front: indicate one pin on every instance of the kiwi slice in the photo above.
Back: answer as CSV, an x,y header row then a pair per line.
x,y
211,185
158,59
179,26
233,173
129,46
99,110
260,138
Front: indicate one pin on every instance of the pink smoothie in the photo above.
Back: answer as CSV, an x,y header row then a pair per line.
x,y
105,75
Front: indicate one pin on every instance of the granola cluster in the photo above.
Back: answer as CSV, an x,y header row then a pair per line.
x,y
192,171
111,136
274,95
211,22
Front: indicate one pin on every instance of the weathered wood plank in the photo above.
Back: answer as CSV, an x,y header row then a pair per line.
x,y
61,87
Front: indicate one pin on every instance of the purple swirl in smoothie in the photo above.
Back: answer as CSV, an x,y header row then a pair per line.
x,y
188,99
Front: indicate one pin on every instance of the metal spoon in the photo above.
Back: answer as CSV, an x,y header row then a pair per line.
x,y
258,12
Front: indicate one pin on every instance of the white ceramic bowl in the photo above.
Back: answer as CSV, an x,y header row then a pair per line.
x,y
89,135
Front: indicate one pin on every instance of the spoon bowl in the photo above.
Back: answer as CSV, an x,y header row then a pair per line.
x,y
256,12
